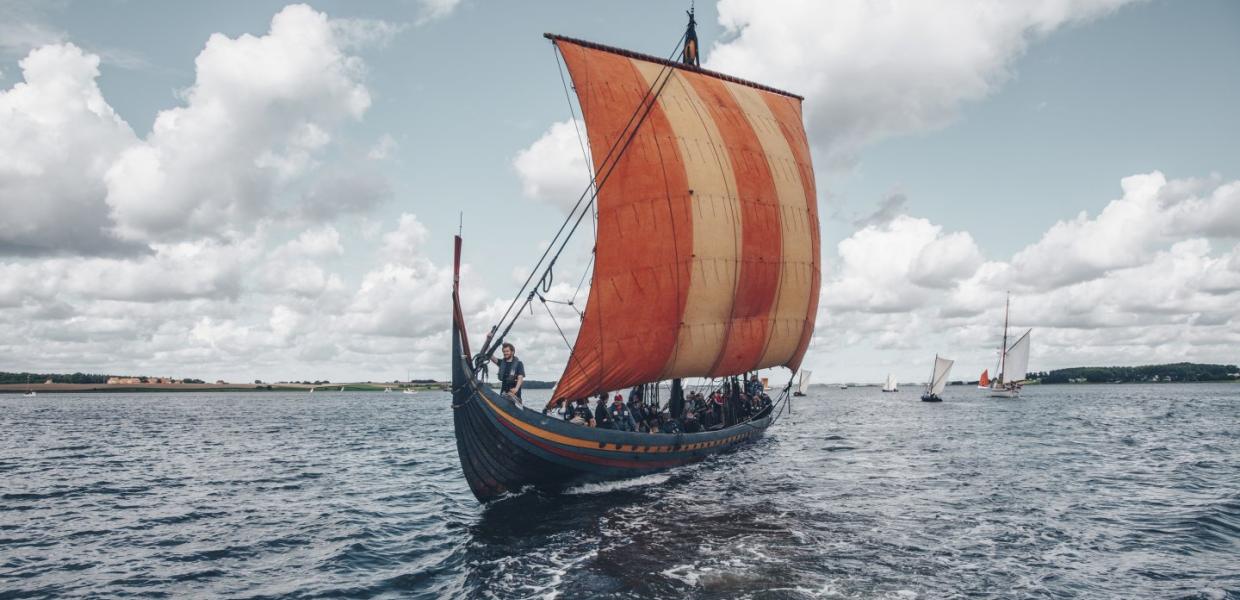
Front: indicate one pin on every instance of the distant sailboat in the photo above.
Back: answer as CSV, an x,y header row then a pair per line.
x,y
891,385
29,390
408,391
983,382
803,384
938,379
1013,362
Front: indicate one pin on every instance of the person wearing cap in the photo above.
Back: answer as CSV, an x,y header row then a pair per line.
x,y
621,418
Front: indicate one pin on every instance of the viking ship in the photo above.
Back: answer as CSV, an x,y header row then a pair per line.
x,y
705,265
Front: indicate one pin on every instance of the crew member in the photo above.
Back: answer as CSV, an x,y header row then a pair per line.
x,y
511,372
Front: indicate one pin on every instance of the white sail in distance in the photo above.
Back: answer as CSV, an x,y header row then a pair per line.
x,y
803,385
942,367
891,385
1016,363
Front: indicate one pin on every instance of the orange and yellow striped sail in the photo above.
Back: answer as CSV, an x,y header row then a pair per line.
x,y
707,255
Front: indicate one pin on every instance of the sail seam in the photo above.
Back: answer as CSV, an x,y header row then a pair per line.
x,y
680,301
729,184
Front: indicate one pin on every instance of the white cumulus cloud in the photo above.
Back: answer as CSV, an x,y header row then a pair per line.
x,y
1128,231
1154,277
870,70
553,169
256,115
58,137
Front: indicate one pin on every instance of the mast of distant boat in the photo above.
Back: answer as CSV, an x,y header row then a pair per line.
x,y
1003,347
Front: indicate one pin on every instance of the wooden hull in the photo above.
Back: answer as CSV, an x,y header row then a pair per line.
x,y
504,448
1002,392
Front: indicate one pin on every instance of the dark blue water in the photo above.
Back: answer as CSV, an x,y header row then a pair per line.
x,y
1074,491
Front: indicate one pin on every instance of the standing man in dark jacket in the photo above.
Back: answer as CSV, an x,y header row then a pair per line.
x,y
602,417
511,372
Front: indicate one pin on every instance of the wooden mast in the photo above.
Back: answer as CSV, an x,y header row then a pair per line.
x,y
1003,348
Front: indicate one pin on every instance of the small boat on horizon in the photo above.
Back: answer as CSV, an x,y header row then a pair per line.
x,y
803,383
938,379
1013,363
891,385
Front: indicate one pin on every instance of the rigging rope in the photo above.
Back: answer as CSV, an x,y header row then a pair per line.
x,y
555,50
583,279
644,108
555,322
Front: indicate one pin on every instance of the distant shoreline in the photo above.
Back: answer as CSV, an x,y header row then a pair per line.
x,y
139,388
103,388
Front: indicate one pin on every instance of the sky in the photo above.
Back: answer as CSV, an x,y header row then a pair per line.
x,y
263,190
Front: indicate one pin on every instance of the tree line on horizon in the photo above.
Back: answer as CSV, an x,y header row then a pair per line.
x,y
1176,372
23,377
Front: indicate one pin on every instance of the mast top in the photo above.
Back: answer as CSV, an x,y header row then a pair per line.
x,y
690,55
661,61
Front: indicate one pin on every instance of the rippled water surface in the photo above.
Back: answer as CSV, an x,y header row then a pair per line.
x,y
1073,491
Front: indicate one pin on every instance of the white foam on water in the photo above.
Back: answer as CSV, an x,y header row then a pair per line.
x,y
611,486
829,589
553,567
511,494
754,550
688,574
